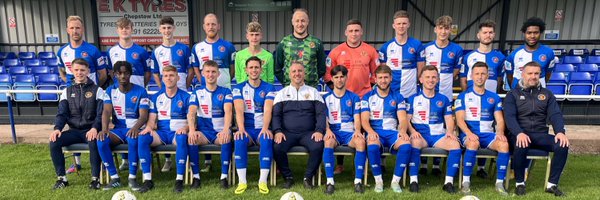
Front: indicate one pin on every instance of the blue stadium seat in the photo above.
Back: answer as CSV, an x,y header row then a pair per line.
x,y
11,62
595,52
559,52
17,70
326,52
54,69
7,55
24,82
578,52
32,62
46,55
593,60
5,84
40,70
564,68
3,70
50,62
591,68
580,83
597,86
26,55
558,84
48,82
572,60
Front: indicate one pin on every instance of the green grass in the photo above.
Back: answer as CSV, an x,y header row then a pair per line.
x,y
26,172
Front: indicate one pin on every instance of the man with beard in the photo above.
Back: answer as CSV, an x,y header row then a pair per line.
x,y
532,50
527,109
300,47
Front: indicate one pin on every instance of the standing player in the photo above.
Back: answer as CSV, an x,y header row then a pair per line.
x,y
300,47
128,51
343,128
401,54
128,104
532,50
432,125
78,48
359,58
477,109
494,59
212,105
254,36
495,62
171,53
383,116
166,125
444,55
216,49
253,101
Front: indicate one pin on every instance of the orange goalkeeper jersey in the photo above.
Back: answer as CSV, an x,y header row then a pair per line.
x,y
361,63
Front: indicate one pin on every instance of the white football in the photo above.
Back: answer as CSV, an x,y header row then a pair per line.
x,y
291,196
123,195
469,197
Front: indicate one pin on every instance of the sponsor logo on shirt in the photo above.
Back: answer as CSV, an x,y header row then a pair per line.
x,y
204,109
422,114
118,110
248,104
473,111
334,114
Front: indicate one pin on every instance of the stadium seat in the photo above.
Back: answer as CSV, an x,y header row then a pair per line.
x,y
7,55
26,55
536,154
593,60
5,84
578,52
11,62
47,82
572,60
40,70
564,68
17,70
46,55
597,86
50,62
487,154
580,83
591,68
53,69
24,82
32,62
297,151
559,52
557,84
3,70
595,52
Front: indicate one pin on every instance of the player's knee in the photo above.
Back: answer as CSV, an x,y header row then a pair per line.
x,y
359,143
472,145
417,143
330,143
455,145
503,147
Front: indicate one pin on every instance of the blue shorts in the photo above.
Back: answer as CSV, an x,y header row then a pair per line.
x,y
485,139
121,133
387,138
253,135
166,136
432,139
342,137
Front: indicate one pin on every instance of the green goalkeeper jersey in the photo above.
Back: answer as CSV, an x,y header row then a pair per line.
x,y
307,50
267,73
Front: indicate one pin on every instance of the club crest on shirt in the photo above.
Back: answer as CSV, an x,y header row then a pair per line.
x,y
180,104
411,50
312,45
393,103
180,52
541,97
543,58
262,94
363,53
84,54
491,100
450,54
221,48
495,59
220,97
134,99
439,104
88,95
348,103
306,96
343,53
135,55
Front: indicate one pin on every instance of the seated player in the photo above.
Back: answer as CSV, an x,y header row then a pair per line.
x,y
477,109
343,128
212,106
383,116
432,125
166,125
253,101
128,104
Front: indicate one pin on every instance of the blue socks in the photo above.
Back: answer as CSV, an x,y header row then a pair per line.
x,y
181,153
402,157
502,165
453,162
328,159
469,162
144,142
132,148
359,164
194,153
374,158
225,157
241,153
266,152
415,161
106,155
